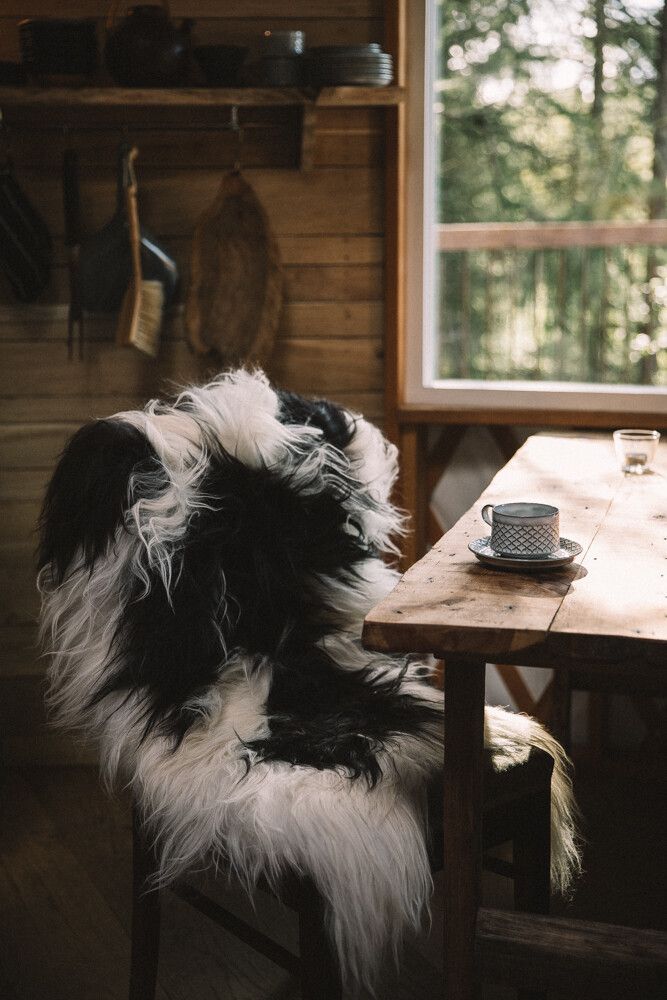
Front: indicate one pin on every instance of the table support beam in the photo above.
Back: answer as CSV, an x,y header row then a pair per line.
x,y
463,771
577,957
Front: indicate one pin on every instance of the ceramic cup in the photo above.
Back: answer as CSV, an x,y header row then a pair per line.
x,y
282,43
523,530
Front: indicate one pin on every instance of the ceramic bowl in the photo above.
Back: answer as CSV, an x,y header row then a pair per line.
x,y
220,64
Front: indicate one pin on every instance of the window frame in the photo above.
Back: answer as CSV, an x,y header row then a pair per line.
x,y
459,395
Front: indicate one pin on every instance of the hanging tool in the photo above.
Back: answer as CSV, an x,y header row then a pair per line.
x,y
25,241
106,260
72,213
140,320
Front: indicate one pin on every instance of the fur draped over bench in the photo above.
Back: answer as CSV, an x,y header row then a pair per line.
x,y
206,566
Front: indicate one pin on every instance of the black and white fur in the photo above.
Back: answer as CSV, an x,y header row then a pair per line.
x,y
206,566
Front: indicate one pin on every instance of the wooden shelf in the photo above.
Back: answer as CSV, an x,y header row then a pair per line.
x,y
41,105
199,97
358,96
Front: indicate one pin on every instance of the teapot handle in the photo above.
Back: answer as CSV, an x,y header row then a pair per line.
x,y
113,12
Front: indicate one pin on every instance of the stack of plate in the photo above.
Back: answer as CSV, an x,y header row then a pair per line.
x,y
349,65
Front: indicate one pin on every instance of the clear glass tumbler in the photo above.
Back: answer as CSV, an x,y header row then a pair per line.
x,y
635,449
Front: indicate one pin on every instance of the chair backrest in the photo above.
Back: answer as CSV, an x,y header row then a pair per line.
x,y
236,520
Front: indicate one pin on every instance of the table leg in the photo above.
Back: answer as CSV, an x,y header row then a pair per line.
x,y
463,771
412,447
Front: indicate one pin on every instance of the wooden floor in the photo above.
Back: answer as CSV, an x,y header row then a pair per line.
x,y
65,877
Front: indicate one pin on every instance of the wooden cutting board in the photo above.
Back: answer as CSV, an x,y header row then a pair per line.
x,y
235,293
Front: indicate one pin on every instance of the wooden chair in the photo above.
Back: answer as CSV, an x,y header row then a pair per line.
x,y
517,808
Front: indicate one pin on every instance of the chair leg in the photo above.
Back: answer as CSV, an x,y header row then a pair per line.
x,y
320,975
145,918
532,859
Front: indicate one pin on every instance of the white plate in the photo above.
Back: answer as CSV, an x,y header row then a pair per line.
x,y
561,557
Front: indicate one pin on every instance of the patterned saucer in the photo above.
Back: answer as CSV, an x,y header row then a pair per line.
x,y
561,557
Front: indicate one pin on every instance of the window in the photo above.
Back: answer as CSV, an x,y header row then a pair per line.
x,y
536,229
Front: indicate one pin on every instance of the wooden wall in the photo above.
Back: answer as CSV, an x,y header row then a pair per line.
x,y
329,225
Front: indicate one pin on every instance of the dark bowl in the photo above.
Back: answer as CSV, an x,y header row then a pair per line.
x,y
220,64
12,74
281,71
53,46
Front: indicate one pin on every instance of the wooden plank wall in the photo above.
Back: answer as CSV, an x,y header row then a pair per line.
x,y
329,225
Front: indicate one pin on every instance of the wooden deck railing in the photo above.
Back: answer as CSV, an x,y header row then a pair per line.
x,y
572,301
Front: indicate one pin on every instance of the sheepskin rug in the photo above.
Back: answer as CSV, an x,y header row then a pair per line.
x,y
206,565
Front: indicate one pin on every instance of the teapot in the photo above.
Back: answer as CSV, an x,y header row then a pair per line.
x,y
145,49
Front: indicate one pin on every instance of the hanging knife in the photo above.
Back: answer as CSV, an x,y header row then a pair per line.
x,y
72,211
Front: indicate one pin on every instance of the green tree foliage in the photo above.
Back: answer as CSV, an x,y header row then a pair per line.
x,y
549,110
522,135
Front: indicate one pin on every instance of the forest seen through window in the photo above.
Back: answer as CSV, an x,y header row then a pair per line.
x,y
552,111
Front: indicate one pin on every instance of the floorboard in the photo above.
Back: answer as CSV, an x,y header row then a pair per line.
x,y
60,940
65,867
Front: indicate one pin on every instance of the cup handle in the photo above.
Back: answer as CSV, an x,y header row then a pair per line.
x,y
486,515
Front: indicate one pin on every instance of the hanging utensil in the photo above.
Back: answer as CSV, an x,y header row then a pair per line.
x,y
140,320
25,241
72,214
106,261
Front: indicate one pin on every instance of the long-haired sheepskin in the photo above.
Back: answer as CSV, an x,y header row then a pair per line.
x,y
206,566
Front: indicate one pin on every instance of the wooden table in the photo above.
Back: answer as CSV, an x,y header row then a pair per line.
x,y
607,610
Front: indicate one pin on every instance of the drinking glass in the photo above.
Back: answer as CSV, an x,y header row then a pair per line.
x,y
635,449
